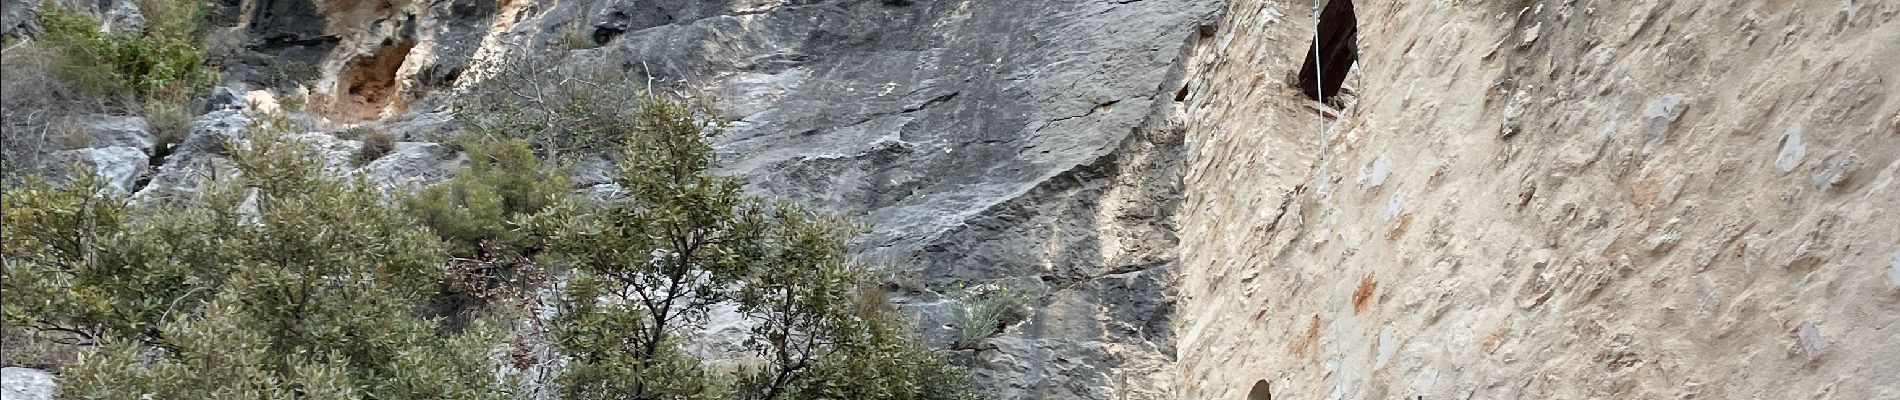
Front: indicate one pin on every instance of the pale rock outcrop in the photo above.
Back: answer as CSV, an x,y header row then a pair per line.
x,y
117,150
199,158
413,165
119,167
121,131
18,383
120,16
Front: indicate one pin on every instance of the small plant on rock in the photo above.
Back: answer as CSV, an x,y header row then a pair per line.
x,y
375,145
986,312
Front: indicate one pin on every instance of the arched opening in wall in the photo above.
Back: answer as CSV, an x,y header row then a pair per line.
x,y
1331,54
1261,391
368,84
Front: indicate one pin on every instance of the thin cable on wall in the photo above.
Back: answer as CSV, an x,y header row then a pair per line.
x,y
1319,77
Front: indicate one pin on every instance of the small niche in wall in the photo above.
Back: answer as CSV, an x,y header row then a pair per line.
x,y
1261,391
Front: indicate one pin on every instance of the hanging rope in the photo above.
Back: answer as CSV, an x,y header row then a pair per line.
x,y
1319,78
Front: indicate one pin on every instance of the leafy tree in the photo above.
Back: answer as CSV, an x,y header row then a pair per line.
x,y
283,283
661,258
802,297
649,268
76,263
884,364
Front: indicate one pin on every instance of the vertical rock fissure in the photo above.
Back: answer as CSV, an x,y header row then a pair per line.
x,y
1335,48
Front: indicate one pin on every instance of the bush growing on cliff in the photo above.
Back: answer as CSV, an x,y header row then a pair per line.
x,y
112,65
649,269
984,314
476,213
375,145
283,283
72,72
561,113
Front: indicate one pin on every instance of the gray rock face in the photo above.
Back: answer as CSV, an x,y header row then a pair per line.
x,y
1027,142
224,98
25,384
1017,141
120,16
16,13
199,158
131,132
413,165
120,167
117,150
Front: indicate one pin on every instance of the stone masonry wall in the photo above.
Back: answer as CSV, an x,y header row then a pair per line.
x,y
1547,199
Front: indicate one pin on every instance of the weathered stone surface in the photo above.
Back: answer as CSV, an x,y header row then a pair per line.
x,y
120,16
131,132
1893,271
16,13
1016,141
25,384
119,166
413,165
197,159
224,98
1672,222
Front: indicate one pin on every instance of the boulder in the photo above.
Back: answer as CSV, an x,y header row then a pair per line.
x,y
414,165
15,14
119,166
198,158
18,383
121,131
121,16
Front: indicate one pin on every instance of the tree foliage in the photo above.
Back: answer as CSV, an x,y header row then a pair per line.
x,y
476,214
165,63
282,283
562,113
648,269
289,282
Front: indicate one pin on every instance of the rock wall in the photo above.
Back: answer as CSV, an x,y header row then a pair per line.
x,y
1578,199
1028,144
1547,199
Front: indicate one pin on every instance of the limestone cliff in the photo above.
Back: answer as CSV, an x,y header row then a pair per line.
x,y
1547,199
1508,199
1029,144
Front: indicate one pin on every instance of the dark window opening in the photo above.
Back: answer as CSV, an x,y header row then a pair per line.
x,y
1335,48
1261,391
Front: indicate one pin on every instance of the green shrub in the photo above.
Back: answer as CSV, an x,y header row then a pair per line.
x,y
648,269
113,65
375,145
176,19
984,314
282,283
562,113
475,214
886,365
171,122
